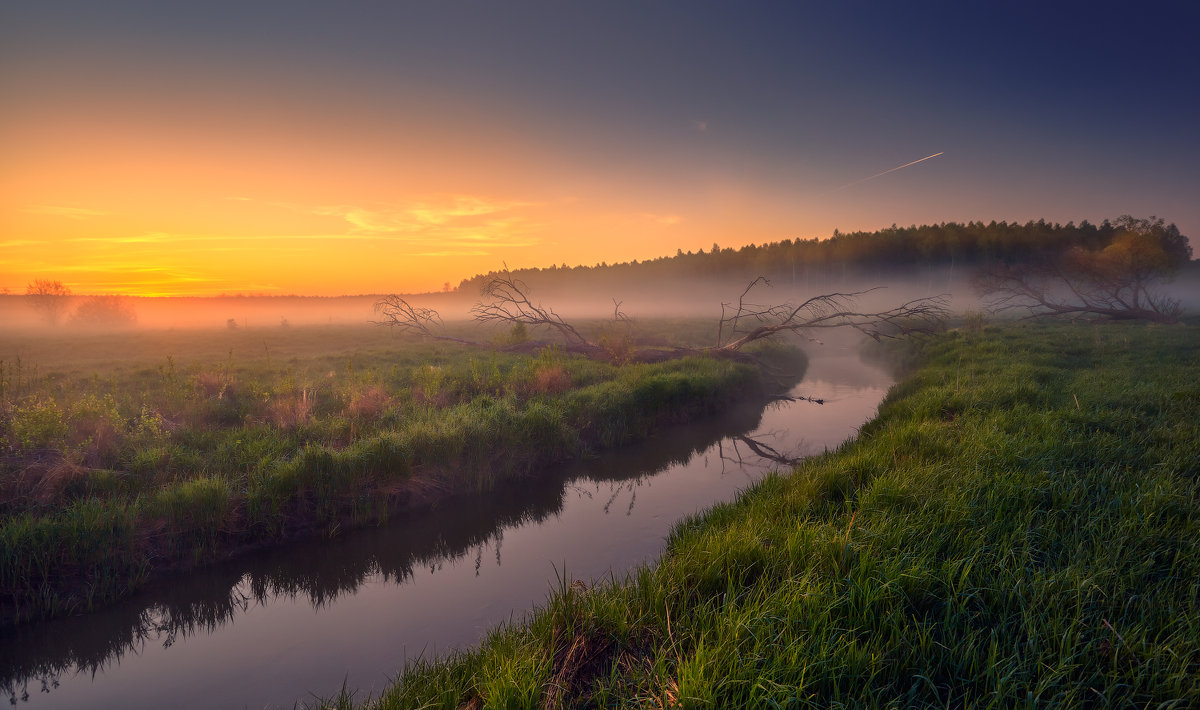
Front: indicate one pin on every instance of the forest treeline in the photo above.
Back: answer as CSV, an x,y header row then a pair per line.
x,y
886,252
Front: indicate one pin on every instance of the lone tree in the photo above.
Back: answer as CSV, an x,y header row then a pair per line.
x,y
104,311
1120,281
48,298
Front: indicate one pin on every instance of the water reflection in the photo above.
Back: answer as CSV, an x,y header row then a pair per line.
x,y
272,627
35,657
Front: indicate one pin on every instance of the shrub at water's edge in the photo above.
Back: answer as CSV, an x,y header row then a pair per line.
x,y
1019,526
103,532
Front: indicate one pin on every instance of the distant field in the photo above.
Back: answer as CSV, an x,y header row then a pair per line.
x,y
127,453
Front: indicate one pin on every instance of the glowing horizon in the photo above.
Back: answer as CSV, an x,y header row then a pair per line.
x,y
210,149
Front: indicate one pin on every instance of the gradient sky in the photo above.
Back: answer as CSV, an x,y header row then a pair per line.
x,y
365,147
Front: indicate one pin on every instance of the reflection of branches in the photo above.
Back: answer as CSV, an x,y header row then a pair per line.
x,y
765,454
766,451
831,310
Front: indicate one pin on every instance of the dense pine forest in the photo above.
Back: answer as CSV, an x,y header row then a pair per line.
x,y
895,251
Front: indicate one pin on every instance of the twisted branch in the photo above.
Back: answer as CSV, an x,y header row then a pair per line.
x,y
831,310
413,320
509,303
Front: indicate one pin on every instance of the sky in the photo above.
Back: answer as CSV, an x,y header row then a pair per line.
x,y
320,148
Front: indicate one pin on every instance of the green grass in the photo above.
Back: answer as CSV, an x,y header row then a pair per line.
x,y
1017,528
112,472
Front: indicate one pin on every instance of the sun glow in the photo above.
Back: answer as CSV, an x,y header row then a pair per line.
x,y
207,196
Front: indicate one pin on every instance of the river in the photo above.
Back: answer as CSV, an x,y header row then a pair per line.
x,y
283,626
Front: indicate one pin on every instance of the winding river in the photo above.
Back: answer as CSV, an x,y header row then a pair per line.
x,y
283,626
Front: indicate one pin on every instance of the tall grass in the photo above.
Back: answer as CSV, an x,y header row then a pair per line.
x,y
1017,528
114,474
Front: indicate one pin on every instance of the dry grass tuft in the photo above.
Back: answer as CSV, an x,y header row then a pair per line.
x,y
42,477
551,379
291,412
369,404
212,385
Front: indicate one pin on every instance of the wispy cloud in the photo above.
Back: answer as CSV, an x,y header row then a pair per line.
x,y
68,212
20,242
176,238
663,219
455,252
419,216
700,126
436,227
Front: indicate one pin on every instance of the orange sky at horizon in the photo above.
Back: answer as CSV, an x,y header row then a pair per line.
x,y
208,202
193,149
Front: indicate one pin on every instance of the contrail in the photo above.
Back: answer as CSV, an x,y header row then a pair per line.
x,y
885,172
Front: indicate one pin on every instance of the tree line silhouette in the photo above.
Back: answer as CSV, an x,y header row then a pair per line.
x,y
885,252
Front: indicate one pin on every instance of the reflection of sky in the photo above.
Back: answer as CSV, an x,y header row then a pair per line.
x,y
273,652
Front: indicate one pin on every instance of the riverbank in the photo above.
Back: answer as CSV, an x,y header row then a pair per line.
x,y
1018,526
197,465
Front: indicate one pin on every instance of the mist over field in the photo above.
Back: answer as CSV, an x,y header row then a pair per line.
x,y
697,297
585,298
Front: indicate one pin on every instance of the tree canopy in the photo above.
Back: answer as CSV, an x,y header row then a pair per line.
x,y
1119,280
894,250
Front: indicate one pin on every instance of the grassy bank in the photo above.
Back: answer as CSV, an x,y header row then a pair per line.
x,y
112,473
1017,528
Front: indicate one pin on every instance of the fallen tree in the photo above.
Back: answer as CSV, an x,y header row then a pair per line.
x,y
1121,281
831,310
413,320
507,300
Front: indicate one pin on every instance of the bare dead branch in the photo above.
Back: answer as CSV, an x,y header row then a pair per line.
x,y
412,320
1052,290
508,301
1120,281
619,315
831,310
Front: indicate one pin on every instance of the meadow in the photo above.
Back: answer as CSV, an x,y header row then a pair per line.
x,y
1017,528
131,454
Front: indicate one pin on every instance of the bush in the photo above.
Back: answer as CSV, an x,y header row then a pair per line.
x,y
39,424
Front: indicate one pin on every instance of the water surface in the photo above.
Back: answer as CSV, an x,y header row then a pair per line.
x,y
283,626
